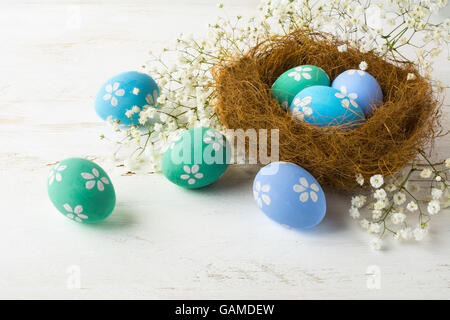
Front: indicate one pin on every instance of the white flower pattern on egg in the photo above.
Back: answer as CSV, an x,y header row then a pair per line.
x,y
55,174
264,197
95,179
306,191
347,99
112,92
75,213
215,138
300,72
302,107
191,174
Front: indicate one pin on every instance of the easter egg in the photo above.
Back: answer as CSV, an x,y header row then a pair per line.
x,y
123,92
362,88
286,87
325,106
289,195
81,190
197,158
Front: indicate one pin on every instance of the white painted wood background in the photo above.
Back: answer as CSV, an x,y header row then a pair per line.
x,y
161,241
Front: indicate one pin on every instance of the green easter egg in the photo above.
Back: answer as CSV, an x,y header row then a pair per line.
x,y
197,158
290,83
81,190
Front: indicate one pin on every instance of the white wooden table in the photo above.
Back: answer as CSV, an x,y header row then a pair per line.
x,y
161,241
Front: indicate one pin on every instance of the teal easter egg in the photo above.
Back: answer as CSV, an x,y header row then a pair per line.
x,y
325,106
123,92
197,158
362,88
81,190
290,83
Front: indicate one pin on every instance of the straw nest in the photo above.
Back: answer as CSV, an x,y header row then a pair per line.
x,y
407,120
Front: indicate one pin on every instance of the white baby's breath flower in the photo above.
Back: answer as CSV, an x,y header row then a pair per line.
x,y
363,66
447,162
375,227
425,173
436,193
360,179
438,178
376,214
365,224
412,206
136,109
358,201
399,198
376,244
380,204
376,181
380,194
398,218
129,113
433,207
411,76
342,48
354,213
419,233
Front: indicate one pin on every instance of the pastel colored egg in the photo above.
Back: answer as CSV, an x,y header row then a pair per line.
x,y
362,88
325,106
286,87
81,190
289,195
197,158
124,91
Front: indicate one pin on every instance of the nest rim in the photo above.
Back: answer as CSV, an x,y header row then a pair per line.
x,y
408,119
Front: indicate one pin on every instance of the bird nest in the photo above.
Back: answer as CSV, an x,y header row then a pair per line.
x,y
406,121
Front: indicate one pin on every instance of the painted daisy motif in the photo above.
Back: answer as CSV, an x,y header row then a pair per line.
x,y
347,98
360,72
301,72
152,99
55,174
302,107
191,174
112,92
75,213
260,194
215,138
95,179
306,191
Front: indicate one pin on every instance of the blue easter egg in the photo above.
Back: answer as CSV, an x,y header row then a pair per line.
x,y
325,106
362,88
122,93
289,195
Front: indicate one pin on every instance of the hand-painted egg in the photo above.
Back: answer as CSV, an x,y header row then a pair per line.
x,y
289,195
123,92
197,158
325,106
81,190
295,80
362,88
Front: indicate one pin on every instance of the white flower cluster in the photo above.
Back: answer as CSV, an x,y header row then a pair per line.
x,y
391,205
183,70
